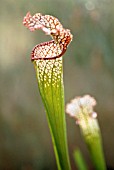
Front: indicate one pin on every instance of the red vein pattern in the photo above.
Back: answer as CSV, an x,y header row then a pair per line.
x,y
51,26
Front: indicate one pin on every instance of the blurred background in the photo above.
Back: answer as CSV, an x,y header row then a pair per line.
x,y
25,142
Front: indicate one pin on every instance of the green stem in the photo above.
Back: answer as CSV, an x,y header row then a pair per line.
x,y
79,160
96,152
50,82
93,140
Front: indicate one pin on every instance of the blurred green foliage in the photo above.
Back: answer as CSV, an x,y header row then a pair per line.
x,y
25,142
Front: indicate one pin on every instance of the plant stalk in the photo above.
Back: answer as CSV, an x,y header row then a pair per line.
x,y
50,82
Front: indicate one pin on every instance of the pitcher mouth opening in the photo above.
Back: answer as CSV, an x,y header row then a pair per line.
x,y
37,54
